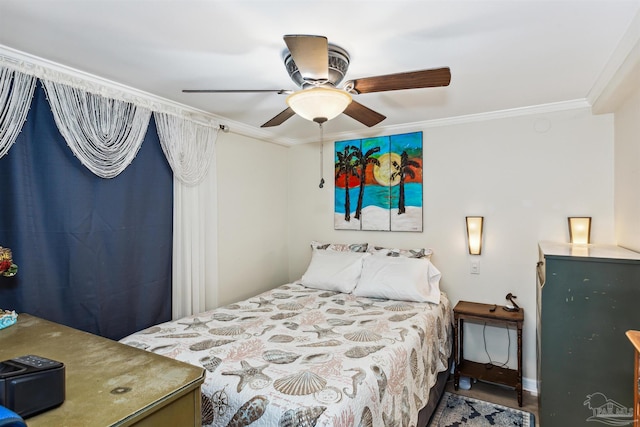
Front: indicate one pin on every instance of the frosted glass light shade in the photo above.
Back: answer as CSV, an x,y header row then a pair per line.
x,y
319,103
474,234
580,230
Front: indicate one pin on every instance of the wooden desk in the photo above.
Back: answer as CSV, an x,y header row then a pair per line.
x,y
163,391
634,337
481,313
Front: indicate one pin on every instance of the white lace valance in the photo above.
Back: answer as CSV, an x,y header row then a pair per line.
x,y
187,145
49,71
104,123
16,91
104,133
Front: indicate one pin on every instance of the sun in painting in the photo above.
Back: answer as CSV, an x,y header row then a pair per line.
x,y
384,171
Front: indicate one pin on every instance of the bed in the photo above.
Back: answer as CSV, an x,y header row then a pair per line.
x,y
305,354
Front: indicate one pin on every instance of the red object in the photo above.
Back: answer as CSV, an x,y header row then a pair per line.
x,y
353,181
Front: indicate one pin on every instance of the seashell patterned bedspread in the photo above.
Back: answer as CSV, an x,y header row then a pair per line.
x,y
295,356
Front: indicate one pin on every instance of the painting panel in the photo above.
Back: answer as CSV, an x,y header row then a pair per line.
x,y
375,193
406,188
346,185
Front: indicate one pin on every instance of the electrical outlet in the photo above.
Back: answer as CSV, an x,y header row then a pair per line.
x,y
475,267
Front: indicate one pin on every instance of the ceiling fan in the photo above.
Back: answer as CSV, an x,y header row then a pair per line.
x,y
318,67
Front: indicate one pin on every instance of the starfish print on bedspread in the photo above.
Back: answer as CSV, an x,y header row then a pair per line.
x,y
196,324
365,305
324,332
250,375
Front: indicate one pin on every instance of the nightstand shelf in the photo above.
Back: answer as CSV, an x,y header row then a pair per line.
x,y
483,314
494,374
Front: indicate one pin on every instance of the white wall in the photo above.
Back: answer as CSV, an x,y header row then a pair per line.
x,y
627,171
525,175
252,216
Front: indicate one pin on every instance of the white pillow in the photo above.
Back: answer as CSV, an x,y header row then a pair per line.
x,y
334,271
399,278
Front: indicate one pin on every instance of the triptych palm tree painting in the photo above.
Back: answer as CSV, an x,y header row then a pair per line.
x,y
378,183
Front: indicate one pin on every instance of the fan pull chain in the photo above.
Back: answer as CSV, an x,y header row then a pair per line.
x,y
321,155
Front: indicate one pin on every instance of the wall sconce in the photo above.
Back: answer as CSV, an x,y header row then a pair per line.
x,y
474,234
580,230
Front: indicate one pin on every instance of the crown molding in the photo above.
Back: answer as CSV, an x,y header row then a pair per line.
x,y
620,74
576,104
49,70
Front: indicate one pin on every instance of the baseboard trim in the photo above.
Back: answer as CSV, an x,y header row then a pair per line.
x,y
530,385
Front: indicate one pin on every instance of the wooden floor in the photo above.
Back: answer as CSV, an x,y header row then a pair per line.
x,y
500,395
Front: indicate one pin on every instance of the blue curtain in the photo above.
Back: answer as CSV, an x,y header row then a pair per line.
x,y
92,253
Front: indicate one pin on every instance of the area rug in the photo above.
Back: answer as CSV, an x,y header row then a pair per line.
x,y
455,411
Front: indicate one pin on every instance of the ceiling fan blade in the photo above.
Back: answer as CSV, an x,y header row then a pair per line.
x,y
311,55
278,91
280,118
411,80
364,115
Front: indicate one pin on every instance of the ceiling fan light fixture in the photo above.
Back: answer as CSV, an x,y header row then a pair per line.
x,y
319,103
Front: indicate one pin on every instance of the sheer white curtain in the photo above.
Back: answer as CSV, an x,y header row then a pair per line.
x,y
187,145
190,147
16,91
195,246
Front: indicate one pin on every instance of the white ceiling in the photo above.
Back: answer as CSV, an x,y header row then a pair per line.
x,y
503,54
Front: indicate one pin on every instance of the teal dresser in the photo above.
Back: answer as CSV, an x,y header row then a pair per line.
x,y
588,297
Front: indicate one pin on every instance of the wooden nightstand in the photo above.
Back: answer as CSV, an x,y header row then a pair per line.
x,y
481,313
